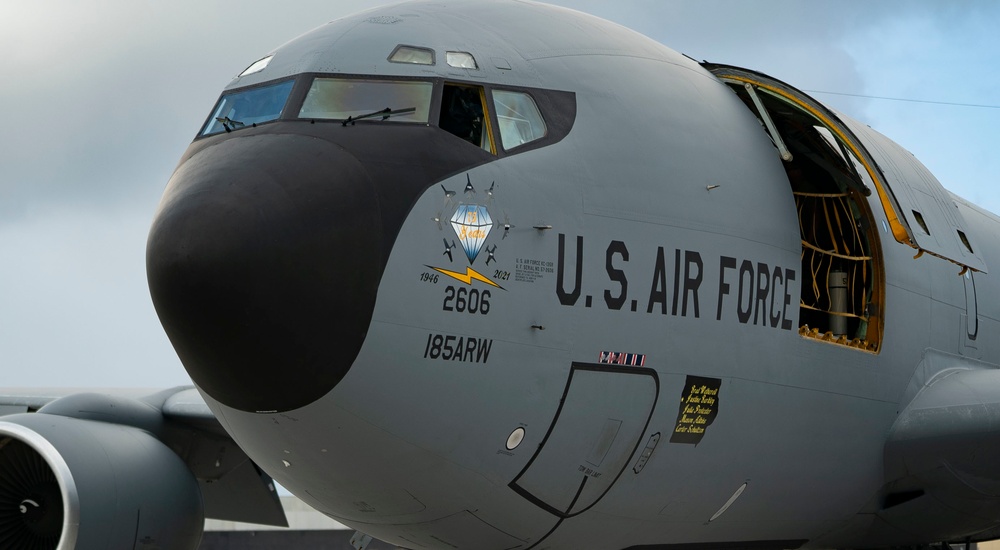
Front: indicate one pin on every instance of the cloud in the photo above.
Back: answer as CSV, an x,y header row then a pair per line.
x,y
74,303
101,98
937,51
107,95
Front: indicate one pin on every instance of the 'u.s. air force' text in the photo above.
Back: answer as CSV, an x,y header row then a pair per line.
x,y
753,292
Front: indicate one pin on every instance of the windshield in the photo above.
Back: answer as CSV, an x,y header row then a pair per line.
x,y
339,98
518,117
243,108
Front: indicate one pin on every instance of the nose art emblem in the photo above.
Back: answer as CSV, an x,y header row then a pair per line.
x,y
471,221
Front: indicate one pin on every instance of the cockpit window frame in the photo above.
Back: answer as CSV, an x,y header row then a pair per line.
x,y
203,131
308,85
304,83
411,47
488,139
558,108
533,121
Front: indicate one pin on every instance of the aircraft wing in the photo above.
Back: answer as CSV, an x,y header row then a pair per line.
x,y
20,400
232,487
942,452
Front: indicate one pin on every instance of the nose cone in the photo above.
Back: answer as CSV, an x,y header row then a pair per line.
x,y
263,262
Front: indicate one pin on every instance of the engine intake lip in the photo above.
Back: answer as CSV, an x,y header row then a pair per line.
x,y
58,466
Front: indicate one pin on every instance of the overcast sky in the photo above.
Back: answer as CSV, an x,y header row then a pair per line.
x,y
98,99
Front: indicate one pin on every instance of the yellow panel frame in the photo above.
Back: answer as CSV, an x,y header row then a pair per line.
x,y
899,230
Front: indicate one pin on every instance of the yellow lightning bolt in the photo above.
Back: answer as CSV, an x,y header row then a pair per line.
x,y
466,277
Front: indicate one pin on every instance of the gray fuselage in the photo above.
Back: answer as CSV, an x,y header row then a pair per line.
x,y
592,340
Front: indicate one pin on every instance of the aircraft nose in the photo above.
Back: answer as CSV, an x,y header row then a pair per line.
x,y
263,262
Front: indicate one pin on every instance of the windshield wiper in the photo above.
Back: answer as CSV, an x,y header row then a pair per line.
x,y
384,113
228,123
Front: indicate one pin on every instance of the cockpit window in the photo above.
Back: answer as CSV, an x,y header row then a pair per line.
x,y
248,107
257,66
518,117
412,54
464,114
461,60
340,98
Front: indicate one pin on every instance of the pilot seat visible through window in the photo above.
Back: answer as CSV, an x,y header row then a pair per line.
x,y
463,114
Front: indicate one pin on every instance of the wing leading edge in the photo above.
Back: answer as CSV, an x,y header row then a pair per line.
x,y
942,453
232,487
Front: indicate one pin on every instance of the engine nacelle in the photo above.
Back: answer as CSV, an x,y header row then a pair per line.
x,y
69,483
